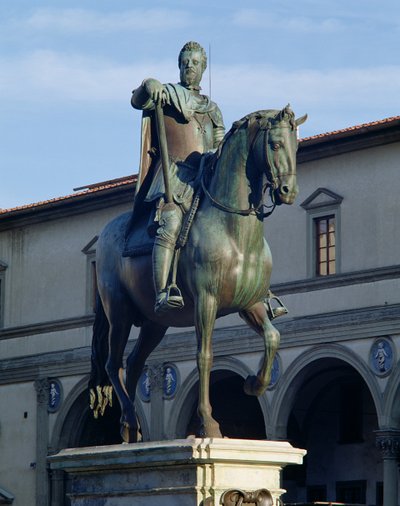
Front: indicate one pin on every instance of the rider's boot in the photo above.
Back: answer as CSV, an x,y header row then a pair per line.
x,y
167,297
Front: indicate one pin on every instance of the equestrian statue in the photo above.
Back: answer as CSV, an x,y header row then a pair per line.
x,y
193,249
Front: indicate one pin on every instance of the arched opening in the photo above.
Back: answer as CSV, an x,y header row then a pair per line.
x,y
76,427
334,419
239,415
82,429
104,430
79,429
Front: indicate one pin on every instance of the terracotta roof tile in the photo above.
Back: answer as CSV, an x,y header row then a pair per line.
x,y
92,189
354,128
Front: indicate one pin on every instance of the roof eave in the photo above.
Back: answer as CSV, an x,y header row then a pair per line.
x,y
72,205
335,143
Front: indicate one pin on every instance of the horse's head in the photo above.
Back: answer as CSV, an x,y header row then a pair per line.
x,y
274,148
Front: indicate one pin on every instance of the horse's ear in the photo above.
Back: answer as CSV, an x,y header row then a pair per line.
x,y
301,120
286,111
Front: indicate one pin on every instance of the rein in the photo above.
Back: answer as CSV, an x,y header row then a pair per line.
x,y
243,212
272,185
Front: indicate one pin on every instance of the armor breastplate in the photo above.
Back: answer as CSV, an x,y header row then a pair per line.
x,y
188,140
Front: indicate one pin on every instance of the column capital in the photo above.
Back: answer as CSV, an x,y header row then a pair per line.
x,y
388,442
42,390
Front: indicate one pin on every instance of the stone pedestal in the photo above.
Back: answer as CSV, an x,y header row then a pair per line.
x,y
187,472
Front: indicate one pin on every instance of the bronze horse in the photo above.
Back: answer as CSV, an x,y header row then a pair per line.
x,y
224,268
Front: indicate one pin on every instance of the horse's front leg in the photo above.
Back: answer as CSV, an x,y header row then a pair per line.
x,y
205,313
257,318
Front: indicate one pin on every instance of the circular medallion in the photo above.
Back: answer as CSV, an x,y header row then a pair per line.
x,y
144,385
55,395
170,381
381,356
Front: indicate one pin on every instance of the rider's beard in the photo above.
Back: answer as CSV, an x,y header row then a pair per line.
x,y
190,78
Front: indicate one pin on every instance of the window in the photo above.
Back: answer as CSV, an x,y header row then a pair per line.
x,y
316,493
325,250
91,278
351,492
3,268
323,232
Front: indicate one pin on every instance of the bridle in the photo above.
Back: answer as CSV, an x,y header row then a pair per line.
x,y
272,181
244,212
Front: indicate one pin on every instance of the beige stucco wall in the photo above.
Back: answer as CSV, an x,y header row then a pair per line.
x,y
343,298
46,267
370,236
18,441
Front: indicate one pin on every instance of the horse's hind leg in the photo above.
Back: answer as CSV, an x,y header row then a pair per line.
x,y
119,315
257,318
149,337
205,313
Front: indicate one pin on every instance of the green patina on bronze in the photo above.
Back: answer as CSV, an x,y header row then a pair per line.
x,y
225,265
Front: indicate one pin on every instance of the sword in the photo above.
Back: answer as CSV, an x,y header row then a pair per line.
x,y
162,140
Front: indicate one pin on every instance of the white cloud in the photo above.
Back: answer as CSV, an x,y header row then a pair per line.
x,y
48,75
341,86
84,20
266,19
347,95
333,99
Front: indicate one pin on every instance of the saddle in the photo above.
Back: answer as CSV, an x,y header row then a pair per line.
x,y
141,237
141,234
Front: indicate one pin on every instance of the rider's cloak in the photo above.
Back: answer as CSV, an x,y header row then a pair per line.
x,y
150,185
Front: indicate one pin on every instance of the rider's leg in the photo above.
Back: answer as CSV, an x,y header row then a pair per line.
x,y
163,254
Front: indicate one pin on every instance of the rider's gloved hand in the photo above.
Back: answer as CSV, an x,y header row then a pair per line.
x,y
156,91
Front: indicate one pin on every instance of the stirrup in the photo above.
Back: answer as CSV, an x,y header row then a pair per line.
x,y
171,298
274,312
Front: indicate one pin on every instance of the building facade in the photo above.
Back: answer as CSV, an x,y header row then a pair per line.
x,y
336,379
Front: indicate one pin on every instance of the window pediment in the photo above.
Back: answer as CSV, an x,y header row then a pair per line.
x,y
5,497
322,197
90,247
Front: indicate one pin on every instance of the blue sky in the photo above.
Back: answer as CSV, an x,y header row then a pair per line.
x,y
67,70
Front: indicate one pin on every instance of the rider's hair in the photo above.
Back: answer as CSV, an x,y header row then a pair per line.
x,y
194,46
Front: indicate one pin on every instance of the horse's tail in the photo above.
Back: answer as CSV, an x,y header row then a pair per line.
x,y
99,384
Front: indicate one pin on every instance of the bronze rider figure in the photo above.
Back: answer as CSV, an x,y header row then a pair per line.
x,y
193,126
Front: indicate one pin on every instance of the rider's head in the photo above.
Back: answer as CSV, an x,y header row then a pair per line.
x,y
192,63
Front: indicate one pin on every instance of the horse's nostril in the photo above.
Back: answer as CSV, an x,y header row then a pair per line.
x,y
285,189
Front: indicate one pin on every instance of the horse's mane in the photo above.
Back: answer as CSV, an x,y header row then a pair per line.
x,y
258,116
265,118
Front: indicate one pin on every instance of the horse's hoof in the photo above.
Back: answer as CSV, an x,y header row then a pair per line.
x,y
210,429
253,386
129,434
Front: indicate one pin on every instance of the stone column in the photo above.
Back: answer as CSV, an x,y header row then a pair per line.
x,y
388,442
57,488
42,438
156,376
